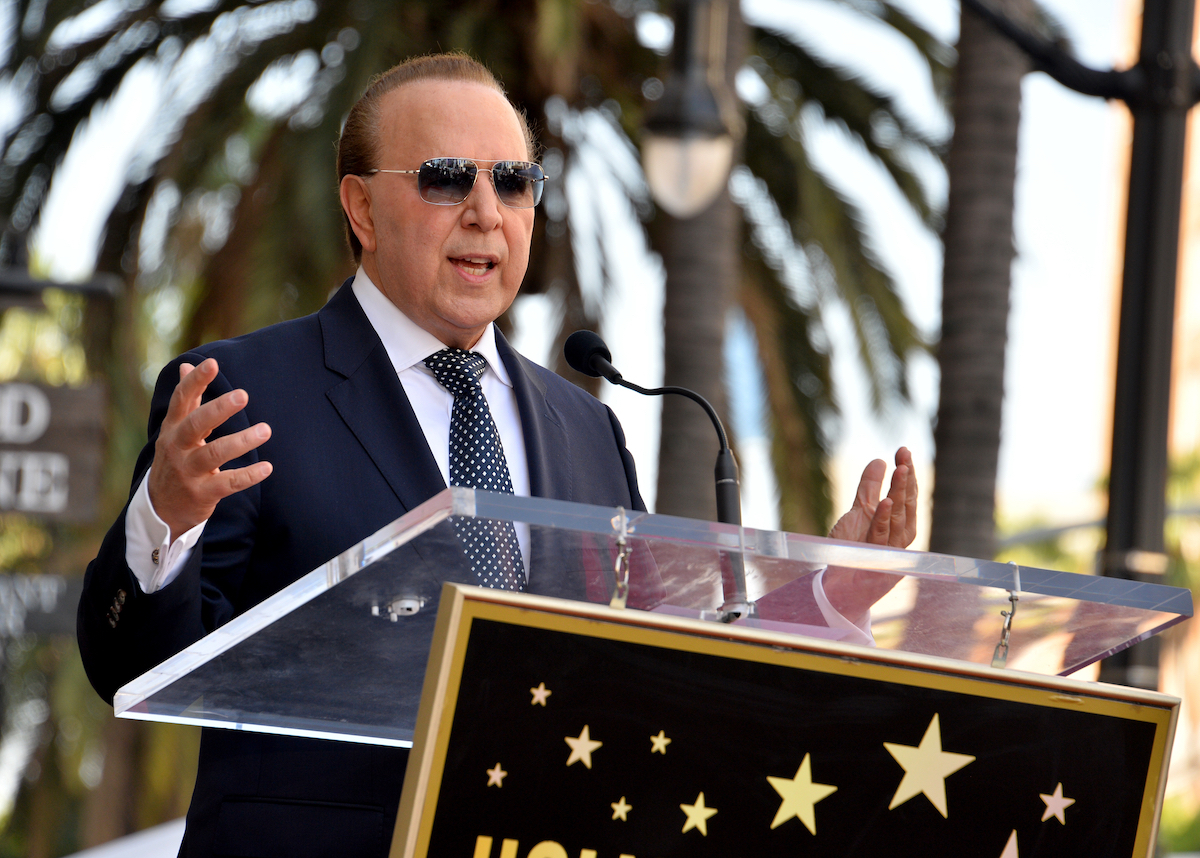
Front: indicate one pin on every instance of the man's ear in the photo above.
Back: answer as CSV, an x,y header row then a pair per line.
x,y
356,202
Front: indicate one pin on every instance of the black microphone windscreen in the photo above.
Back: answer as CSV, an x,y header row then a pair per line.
x,y
581,347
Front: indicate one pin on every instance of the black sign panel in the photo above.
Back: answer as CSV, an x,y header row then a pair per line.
x,y
601,745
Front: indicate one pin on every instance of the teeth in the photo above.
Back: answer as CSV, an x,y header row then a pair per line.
x,y
475,265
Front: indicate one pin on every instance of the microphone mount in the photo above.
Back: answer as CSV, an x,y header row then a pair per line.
x,y
586,352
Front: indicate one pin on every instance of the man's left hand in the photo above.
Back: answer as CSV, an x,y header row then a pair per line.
x,y
891,521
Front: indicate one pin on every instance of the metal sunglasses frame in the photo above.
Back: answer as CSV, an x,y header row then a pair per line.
x,y
430,162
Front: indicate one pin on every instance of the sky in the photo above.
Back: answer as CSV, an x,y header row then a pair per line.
x,y
1056,421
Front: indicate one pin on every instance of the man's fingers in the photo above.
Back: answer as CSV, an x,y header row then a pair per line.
x,y
881,523
240,479
185,492
211,456
910,510
186,398
898,490
870,485
891,521
194,379
904,457
198,424
898,524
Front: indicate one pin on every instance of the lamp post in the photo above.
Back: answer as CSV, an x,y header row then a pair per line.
x,y
689,132
1160,91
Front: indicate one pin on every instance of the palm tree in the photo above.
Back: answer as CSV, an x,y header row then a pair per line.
x,y
976,281
825,238
584,53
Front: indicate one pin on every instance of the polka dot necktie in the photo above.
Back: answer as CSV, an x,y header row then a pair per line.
x,y
477,461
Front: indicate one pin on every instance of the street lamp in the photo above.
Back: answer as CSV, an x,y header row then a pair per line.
x,y
688,145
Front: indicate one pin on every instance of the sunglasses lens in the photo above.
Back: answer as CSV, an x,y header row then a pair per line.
x,y
446,181
518,183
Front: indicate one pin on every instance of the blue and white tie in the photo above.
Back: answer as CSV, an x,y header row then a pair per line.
x,y
477,461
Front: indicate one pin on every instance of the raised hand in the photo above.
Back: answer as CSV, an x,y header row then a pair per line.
x,y
889,521
186,480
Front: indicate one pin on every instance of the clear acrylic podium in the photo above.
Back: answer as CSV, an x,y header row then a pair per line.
x,y
342,652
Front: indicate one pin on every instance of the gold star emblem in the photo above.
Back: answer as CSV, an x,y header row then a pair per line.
x,y
926,768
660,743
581,748
1056,804
799,796
1010,848
540,694
496,776
620,809
697,815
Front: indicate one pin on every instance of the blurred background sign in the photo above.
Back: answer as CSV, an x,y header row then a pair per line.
x,y
51,449
52,438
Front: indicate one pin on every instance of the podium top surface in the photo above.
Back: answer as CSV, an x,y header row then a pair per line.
x,y
341,652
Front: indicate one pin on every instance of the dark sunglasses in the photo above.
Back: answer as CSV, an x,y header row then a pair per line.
x,y
448,181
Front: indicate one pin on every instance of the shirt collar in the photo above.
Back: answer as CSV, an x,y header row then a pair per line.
x,y
407,343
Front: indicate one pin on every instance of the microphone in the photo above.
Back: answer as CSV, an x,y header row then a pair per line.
x,y
586,352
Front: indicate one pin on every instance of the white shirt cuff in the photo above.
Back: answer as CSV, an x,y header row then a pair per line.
x,y
860,635
154,560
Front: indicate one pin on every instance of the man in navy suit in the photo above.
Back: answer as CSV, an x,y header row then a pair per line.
x,y
274,452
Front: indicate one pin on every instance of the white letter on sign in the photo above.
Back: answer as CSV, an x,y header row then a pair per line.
x,y
24,413
33,482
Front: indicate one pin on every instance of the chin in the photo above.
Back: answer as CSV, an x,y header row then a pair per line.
x,y
470,315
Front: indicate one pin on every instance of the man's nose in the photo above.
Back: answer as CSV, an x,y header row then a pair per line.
x,y
483,206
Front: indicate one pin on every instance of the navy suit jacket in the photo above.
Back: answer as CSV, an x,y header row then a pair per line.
x,y
348,457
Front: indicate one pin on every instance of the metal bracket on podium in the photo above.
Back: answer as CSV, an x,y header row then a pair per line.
x,y
1000,654
621,564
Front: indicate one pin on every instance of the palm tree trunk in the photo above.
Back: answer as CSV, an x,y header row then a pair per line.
x,y
976,282
700,256
975,285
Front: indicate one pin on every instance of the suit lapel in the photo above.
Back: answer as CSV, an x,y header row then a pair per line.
x,y
547,445
371,401
553,553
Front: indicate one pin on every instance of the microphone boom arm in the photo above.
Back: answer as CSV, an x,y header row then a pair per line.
x,y
586,352
729,501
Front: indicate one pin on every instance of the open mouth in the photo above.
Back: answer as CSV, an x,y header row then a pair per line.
x,y
474,265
